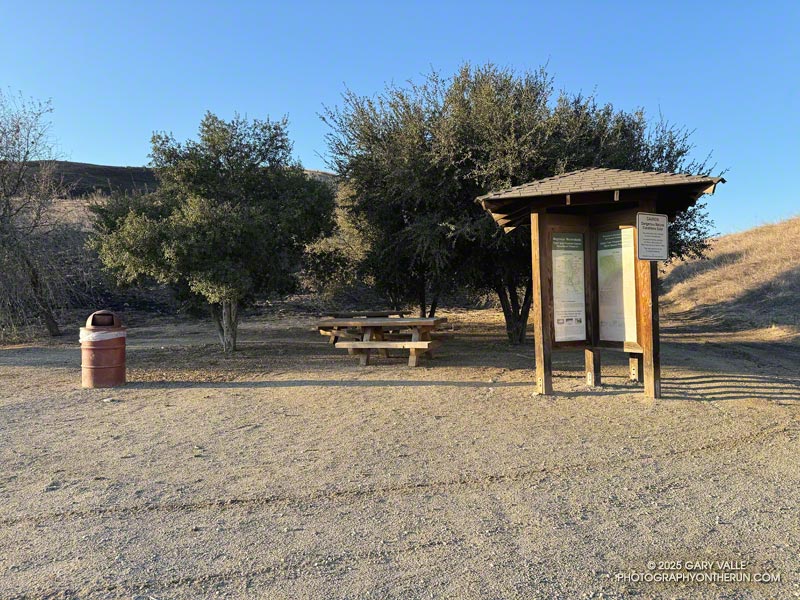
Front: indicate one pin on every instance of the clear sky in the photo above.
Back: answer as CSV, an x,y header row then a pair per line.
x,y
117,71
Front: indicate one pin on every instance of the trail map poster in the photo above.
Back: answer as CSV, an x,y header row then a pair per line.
x,y
569,301
616,279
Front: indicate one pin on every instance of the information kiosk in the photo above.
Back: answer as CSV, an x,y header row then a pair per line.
x,y
597,236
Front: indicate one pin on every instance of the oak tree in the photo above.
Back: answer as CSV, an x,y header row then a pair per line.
x,y
229,219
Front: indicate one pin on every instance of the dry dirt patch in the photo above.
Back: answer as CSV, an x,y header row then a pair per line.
x,y
289,471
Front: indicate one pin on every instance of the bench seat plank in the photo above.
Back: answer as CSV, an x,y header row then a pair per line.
x,y
387,344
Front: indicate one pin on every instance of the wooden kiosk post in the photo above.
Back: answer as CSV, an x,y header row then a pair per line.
x,y
596,238
647,315
542,309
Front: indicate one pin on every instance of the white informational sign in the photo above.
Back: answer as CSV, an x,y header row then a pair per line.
x,y
616,283
569,301
652,242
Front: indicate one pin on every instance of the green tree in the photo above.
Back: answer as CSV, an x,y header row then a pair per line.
x,y
495,133
400,197
332,263
417,157
229,220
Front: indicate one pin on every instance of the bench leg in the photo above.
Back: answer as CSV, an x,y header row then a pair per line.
x,y
367,336
333,338
415,353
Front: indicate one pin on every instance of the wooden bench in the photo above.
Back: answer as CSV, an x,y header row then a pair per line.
x,y
374,331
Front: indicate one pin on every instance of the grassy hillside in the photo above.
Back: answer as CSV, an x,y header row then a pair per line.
x,y
85,178
752,280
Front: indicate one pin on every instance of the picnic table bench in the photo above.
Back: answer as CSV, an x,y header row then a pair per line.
x,y
365,334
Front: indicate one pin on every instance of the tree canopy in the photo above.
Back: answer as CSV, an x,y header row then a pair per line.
x,y
415,157
229,220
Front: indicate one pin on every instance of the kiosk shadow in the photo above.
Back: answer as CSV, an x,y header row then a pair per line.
x,y
708,388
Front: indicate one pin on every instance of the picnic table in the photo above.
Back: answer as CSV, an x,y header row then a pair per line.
x,y
336,332
364,313
365,334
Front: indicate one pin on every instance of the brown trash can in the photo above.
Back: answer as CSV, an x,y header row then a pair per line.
x,y
103,351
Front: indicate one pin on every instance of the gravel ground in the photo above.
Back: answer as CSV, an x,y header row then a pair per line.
x,y
289,471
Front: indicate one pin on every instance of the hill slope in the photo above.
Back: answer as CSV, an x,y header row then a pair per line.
x,y
751,281
85,178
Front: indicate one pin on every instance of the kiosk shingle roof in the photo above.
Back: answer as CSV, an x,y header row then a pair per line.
x,y
593,187
598,180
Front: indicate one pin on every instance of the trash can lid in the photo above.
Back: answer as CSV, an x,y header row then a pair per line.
x,y
104,318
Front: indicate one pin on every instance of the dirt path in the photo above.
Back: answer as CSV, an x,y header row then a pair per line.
x,y
290,472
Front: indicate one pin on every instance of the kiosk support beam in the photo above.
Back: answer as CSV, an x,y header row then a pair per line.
x,y
635,364
592,351
542,309
592,360
647,316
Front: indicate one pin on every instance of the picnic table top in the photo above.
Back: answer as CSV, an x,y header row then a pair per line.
x,y
383,322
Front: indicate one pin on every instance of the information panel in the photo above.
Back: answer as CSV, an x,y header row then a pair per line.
x,y
652,242
616,279
569,300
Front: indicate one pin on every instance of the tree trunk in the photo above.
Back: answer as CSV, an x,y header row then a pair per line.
x,y
230,324
515,313
423,304
40,296
226,318
216,315
434,304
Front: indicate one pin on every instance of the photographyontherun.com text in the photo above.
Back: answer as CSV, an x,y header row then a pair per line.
x,y
698,571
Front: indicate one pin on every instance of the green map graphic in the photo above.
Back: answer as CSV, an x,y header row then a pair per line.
x,y
570,273
609,271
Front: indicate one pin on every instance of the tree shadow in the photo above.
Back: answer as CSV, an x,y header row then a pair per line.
x,y
686,270
771,303
338,383
40,356
735,356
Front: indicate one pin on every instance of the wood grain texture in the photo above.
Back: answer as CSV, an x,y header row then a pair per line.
x,y
542,303
647,316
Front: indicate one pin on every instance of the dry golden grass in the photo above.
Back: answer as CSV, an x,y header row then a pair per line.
x,y
751,280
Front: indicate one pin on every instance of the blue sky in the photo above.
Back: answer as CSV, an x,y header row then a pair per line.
x,y
117,71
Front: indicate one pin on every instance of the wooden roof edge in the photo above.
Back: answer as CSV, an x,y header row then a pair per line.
x,y
518,191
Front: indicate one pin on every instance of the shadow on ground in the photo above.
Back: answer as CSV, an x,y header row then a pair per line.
x,y
738,370
344,383
731,387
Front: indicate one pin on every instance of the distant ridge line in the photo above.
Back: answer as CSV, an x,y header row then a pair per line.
x,y
87,178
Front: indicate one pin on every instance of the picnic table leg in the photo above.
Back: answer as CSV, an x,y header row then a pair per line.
x,y
363,358
378,335
425,335
413,353
333,338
